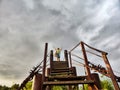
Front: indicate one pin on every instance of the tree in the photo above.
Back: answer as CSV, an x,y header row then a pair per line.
x,y
28,86
14,86
57,88
107,85
4,87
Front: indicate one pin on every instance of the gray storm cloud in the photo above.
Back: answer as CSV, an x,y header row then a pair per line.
x,y
25,26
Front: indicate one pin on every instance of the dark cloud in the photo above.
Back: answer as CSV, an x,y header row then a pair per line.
x,y
27,24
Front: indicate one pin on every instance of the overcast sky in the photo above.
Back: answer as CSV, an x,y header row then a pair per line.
x,y
25,25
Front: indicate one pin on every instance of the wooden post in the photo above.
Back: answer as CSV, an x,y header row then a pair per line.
x,y
70,59
86,61
110,71
44,62
74,71
66,57
96,79
51,60
90,87
37,82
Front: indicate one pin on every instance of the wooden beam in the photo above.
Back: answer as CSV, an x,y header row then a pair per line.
x,y
110,71
68,82
44,62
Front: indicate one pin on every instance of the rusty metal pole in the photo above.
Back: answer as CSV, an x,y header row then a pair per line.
x,y
110,71
86,61
44,62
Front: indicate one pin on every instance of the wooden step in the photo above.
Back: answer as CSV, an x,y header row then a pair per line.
x,y
60,69
68,82
63,78
57,71
59,64
62,73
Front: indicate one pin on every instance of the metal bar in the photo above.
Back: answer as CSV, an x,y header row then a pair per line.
x,y
110,71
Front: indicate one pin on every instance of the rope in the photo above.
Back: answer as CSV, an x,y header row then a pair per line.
x,y
77,56
79,62
93,53
74,47
95,49
81,58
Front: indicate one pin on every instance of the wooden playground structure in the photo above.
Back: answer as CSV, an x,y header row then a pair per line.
x,y
50,72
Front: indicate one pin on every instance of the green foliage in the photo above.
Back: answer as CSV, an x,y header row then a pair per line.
x,y
28,86
4,87
107,85
57,88
14,86
85,86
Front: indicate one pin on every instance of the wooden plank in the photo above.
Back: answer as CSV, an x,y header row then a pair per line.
x,y
66,77
61,68
68,82
59,64
62,73
57,71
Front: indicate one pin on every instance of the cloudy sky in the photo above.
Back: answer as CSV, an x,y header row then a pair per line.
x,y
25,25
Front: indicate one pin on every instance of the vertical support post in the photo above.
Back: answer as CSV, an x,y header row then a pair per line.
x,y
86,61
37,82
51,60
96,79
74,71
110,71
90,87
44,62
70,59
66,57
